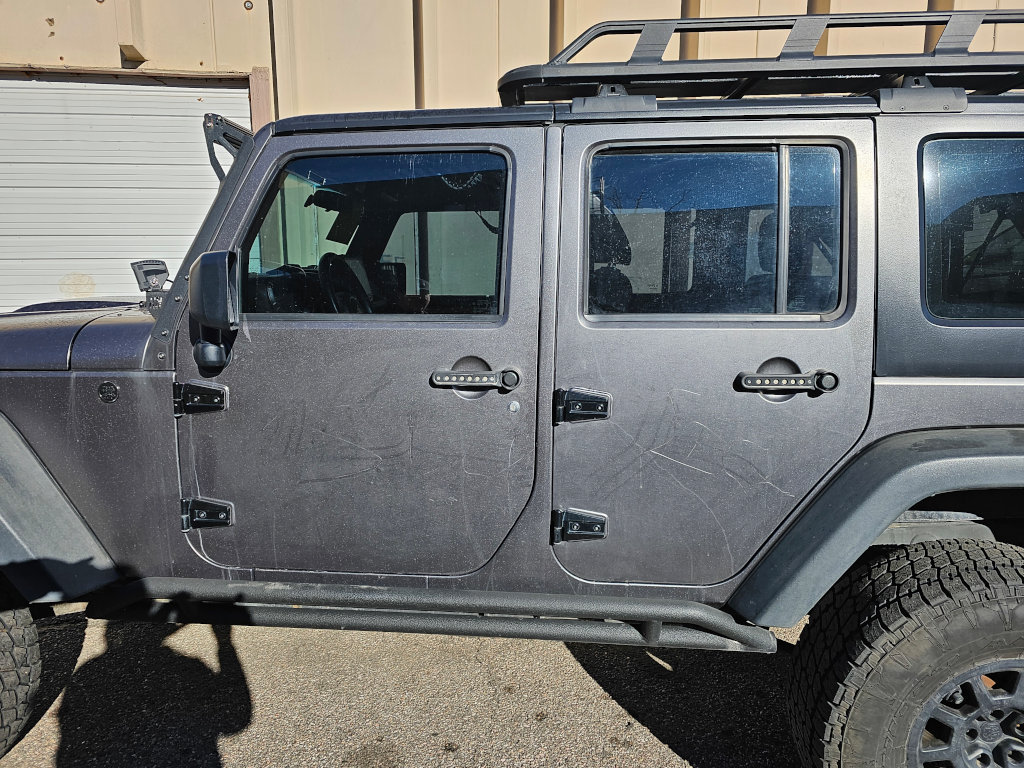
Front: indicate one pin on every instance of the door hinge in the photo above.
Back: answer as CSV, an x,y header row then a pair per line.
x,y
577,525
199,397
576,404
206,513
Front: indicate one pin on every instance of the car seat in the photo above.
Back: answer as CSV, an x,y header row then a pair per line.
x,y
610,289
759,289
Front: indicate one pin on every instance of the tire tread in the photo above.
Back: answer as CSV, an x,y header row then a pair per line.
x,y
872,607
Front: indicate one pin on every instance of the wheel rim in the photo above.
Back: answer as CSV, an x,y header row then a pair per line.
x,y
974,721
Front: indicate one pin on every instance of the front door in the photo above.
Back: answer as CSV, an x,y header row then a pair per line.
x,y
745,248
383,384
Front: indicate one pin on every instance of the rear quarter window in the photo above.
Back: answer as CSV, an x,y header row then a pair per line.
x,y
974,228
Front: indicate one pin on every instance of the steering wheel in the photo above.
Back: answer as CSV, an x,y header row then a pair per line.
x,y
341,286
286,289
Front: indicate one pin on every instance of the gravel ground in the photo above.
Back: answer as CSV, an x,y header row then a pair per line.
x,y
159,695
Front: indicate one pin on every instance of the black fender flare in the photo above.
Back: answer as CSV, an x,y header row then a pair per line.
x,y
47,552
874,488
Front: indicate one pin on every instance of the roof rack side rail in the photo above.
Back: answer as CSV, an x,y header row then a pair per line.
x,y
796,70
231,136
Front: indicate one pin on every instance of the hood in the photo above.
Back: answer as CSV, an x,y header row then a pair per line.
x,y
88,339
60,305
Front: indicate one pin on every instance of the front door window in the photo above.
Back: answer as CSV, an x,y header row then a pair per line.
x,y
397,233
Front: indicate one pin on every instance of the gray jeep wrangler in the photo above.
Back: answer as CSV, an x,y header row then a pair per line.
x,y
637,358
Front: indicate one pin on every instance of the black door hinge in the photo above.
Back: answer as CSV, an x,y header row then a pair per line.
x,y
577,525
206,513
576,404
199,397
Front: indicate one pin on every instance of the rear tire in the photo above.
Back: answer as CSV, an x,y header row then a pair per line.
x,y
20,670
916,658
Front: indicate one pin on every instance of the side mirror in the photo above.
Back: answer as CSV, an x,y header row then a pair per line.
x,y
213,290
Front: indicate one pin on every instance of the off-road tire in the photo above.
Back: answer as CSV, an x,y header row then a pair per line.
x,y
889,635
20,670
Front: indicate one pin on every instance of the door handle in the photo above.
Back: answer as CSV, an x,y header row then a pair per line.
x,y
816,382
507,379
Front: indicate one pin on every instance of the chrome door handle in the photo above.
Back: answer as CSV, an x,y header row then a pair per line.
x,y
815,382
507,379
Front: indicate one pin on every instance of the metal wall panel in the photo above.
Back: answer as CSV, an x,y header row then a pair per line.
x,y
94,175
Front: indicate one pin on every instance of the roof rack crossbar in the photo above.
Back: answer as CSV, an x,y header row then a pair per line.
x,y
956,38
654,39
647,72
804,37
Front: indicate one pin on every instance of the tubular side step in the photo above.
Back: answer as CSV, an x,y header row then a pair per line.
x,y
611,620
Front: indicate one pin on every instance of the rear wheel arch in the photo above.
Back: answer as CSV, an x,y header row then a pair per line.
x,y
853,512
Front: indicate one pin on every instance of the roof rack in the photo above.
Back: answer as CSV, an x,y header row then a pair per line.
x,y
796,70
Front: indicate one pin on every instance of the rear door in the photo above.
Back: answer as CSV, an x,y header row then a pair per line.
x,y
744,248
382,387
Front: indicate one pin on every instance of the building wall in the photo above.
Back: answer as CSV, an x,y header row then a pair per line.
x,y
332,52
353,55
210,36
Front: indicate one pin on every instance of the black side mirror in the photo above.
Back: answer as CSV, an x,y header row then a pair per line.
x,y
213,284
213,290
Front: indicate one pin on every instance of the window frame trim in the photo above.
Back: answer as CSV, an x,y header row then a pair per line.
x,y
263,199
672,319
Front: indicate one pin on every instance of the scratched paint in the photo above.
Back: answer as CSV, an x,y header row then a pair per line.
x,y
693,479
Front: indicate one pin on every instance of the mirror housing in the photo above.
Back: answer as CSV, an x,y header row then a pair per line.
x,y
213,283
210,356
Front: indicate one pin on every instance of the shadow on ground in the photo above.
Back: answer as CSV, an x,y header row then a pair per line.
x,y
715,710
60,643
141,702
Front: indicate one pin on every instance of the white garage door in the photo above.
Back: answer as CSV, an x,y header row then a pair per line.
x,y
95,175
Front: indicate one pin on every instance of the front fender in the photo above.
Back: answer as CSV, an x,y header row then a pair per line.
x,y
868,494
47,552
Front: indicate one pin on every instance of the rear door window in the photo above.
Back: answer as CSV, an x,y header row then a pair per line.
x,y
714,232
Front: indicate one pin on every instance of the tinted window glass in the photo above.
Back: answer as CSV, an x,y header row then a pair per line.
x,y
974,227
384,234
675,232
698,232
814,221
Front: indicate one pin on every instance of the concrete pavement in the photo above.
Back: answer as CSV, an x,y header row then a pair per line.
x,y
156,695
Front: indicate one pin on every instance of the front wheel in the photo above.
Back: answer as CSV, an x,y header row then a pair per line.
x,y
916,658
20,669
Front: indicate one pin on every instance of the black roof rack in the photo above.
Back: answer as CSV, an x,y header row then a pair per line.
x,y
796,70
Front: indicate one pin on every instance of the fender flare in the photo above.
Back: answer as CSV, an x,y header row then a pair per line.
x,y
47,552
878,485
